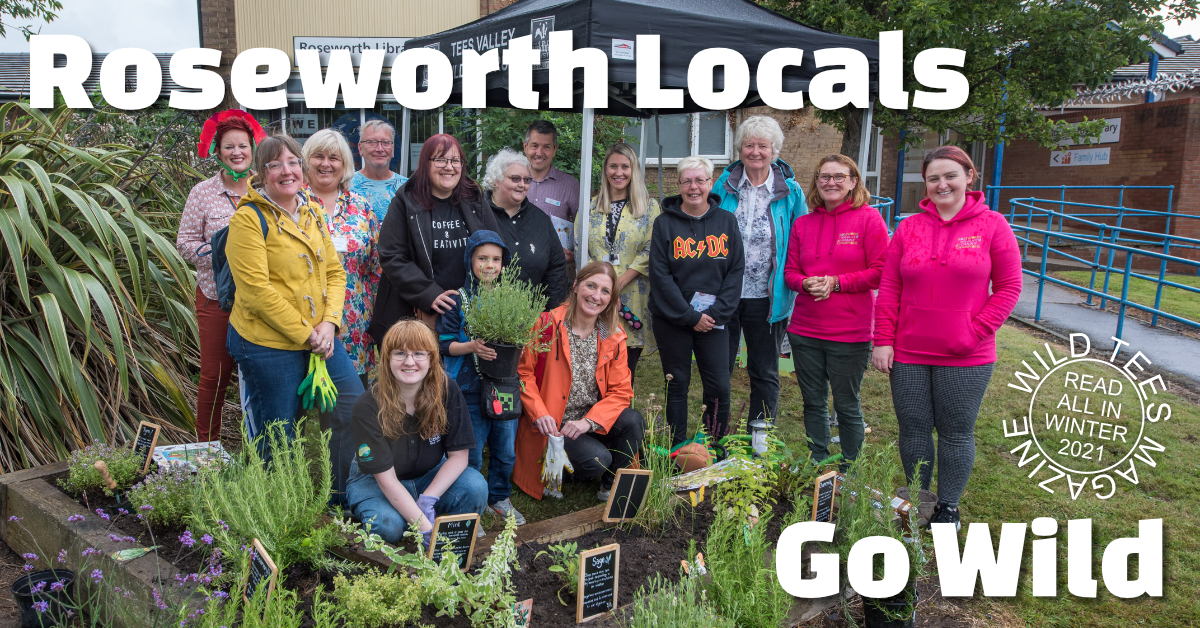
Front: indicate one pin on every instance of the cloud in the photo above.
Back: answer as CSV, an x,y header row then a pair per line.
x,y
154,25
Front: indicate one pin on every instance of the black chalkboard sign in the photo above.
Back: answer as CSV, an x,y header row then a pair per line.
x,y
627,495
263,572
599,571
145,441
459,531
824,488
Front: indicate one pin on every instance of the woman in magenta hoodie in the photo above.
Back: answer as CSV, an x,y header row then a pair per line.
x,y
936,321
834,260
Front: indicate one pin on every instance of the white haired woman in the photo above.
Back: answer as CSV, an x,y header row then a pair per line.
x,y
621,221
761,190
353,227
527,231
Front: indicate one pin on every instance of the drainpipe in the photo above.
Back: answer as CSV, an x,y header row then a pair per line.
x,y
1152,74
899,179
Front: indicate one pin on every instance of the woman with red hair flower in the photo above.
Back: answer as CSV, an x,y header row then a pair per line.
x,y
230,136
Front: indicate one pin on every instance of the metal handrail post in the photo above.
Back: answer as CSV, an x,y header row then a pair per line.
x,y
1124,294
1037,315
1112,257
1162,271
1095,264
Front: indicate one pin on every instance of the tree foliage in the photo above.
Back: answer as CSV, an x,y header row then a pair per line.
x,y
1020,54
27,10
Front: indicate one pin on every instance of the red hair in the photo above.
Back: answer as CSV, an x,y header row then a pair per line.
x,y
953,153
232,124
420,186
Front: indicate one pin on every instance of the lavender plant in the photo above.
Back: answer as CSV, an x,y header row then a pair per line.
x,y
169,492
123,464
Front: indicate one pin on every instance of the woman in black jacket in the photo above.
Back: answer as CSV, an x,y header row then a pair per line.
x,y
423,237
527,230
696,266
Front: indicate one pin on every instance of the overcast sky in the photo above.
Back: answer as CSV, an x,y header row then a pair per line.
x,y
171,25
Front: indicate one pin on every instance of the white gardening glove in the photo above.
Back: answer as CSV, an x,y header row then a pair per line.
x,y
552,467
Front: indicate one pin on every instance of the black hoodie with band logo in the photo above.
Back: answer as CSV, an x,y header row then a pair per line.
x,y
690,254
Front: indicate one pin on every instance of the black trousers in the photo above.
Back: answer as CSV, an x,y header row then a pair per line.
x,y
635,354
675,347
762,354
602,455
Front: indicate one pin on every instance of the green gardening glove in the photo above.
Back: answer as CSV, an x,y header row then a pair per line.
x,y
324,392
305,389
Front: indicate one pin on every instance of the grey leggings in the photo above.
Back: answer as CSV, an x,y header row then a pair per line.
x,y
946,399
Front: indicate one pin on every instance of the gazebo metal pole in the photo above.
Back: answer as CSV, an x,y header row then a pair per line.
x,y
404,140
658,140
585,185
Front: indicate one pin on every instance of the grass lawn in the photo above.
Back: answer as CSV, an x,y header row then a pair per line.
x,y
1174,300
999,491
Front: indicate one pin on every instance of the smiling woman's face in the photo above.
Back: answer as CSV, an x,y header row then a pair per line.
x,y
325,170
284,176
409,367
592,295
235,151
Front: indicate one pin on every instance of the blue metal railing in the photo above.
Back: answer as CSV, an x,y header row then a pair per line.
x,y
1029,235
884,205
992,193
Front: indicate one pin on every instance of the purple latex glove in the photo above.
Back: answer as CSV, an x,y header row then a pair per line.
x,y
426,537
426,503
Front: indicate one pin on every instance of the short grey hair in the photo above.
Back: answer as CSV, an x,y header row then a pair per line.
x,y
329,141
377,123
692,162
498,165
763,127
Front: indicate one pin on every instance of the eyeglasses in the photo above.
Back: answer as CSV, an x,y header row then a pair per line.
x,y
687,183
516,178
372,144
442,162
836,178
276,166
403,356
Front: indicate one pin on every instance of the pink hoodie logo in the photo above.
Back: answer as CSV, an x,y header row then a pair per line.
x,y
969,242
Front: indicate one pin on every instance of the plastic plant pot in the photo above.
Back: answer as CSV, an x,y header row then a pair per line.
x,y
26,592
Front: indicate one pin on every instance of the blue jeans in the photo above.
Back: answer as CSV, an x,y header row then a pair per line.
x,y
272,377
501,439
369,505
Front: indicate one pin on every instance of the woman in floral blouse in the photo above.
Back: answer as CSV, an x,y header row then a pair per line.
x,y
230,136
621,220
353,226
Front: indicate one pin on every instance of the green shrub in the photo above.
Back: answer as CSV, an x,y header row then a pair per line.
x,y
507,311
280,504
744,587
281,611
377,600
662,501
169,493
666,604
566,567
124,465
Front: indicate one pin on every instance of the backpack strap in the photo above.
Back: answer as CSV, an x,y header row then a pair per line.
x,y
262,221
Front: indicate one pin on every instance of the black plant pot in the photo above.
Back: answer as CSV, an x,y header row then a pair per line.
x,y
57,601
878,612
505,364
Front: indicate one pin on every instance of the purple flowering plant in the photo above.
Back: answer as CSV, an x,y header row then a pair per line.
x,y
165,497
123,465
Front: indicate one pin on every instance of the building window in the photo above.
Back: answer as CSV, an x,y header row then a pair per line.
x,y
706,134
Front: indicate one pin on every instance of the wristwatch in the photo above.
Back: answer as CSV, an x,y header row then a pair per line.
x,y
837,284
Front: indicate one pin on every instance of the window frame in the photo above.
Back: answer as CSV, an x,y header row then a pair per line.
x,y
693,142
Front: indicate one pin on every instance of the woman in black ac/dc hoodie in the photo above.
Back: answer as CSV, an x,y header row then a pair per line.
x,y
696,265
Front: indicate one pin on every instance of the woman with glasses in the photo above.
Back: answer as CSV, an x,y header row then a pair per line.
x,y
352,227
424,235
527,231
834,261
762,192
696,265
621,220
230,137
290,292
413,436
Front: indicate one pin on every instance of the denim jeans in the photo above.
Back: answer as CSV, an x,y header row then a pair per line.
x,y
501,439
272,377
675,347
762,354
369,504
821,365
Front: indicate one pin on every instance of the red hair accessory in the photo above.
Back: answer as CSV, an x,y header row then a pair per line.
x,y
208,135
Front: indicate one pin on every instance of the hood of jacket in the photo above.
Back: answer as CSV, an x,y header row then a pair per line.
x,y
830,217
674,205
945,230
782,170
478,239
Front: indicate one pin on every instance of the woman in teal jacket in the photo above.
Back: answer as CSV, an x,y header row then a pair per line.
x,y
761,190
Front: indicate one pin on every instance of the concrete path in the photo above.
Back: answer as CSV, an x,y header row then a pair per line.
x,y
1062,311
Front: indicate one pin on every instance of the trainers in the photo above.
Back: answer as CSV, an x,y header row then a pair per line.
x,y
945,514
479,531
602,495
504,508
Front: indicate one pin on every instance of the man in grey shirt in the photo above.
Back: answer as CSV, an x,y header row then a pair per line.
x,y
553,191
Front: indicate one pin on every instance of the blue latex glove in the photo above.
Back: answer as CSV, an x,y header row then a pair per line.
x,y
425,503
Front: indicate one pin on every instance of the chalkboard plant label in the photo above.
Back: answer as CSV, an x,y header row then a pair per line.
x,y
263,572
628,495
824,489
454,534
599,572
145,441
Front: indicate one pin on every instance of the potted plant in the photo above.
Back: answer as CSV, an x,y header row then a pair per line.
x,y
875,515
506,315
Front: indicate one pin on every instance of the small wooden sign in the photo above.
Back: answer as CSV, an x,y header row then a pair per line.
x,y
263,572
627,495
459,531
824,488
599,571
523,613
146,440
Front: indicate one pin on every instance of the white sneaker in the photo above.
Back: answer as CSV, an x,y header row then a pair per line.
x,y
603,496
504,508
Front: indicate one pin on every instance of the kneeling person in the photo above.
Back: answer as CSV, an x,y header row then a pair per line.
x,y
413,434
576,396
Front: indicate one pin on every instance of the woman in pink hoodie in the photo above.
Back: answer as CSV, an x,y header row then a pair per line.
x,y
936,321
834,260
